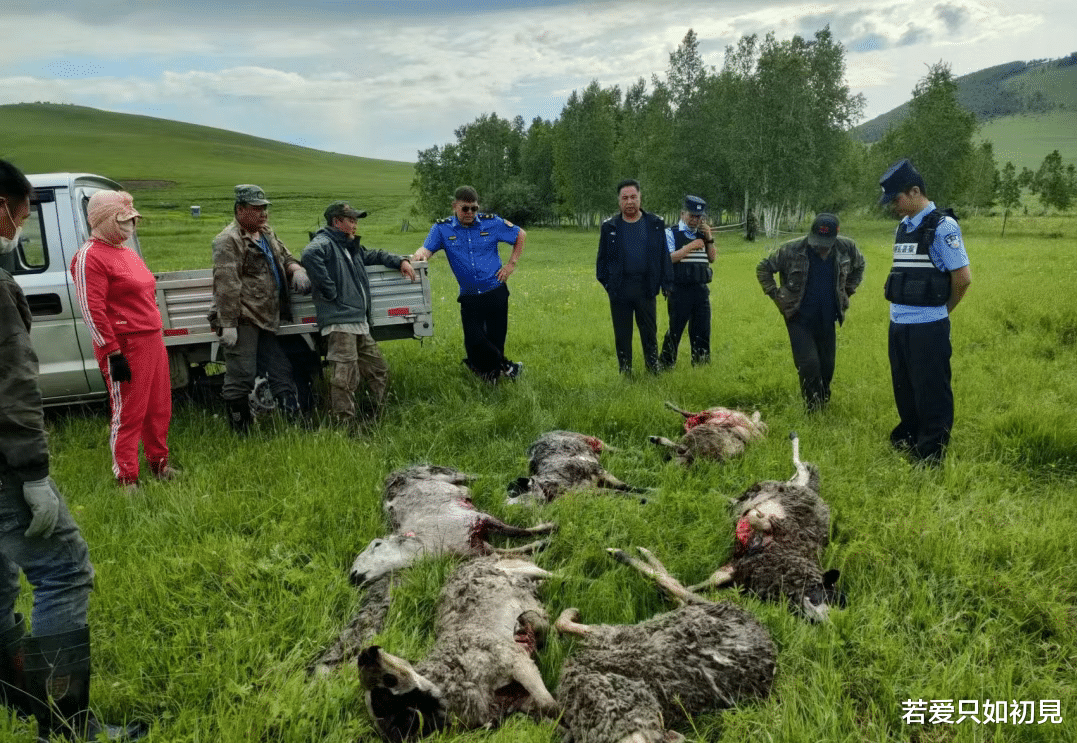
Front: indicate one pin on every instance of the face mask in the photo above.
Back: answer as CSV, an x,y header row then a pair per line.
x,y
8,244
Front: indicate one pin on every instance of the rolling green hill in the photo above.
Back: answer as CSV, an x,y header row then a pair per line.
x,y
184,162
1026,109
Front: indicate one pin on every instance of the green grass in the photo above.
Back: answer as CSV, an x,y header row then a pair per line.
x,y
215,593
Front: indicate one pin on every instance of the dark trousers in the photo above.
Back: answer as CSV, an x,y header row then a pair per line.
x,y
814,344
688,304
920,371
485,318
257,351
633,303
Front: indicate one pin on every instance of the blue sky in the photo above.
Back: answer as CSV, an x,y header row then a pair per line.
x,y
385,79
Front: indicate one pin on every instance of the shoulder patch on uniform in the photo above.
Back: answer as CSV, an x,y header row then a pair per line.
x,y
508,223
446,220
953,240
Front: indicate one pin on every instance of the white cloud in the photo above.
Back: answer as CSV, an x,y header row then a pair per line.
x,y
387,84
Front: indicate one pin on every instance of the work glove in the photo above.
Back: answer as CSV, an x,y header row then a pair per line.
x,y
118,368
301,282
229,337
44,505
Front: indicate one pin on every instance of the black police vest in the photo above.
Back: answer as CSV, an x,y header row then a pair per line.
x,y
914,280
694,268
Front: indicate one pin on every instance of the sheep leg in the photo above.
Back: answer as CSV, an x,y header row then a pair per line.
x,y
608,481
494,525
524,549
720,578
802,476
568,623
675,409
654,569
527,674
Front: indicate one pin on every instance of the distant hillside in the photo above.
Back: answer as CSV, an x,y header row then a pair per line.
x,y
178,159
1017,88
1025,109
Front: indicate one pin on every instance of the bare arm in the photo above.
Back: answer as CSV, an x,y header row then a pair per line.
x,y
959,284
517,251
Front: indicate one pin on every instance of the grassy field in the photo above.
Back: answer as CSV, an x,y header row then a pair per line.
x,y
1056,130
216,593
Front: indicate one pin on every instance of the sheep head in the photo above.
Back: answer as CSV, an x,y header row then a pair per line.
x,y
404,704
384,555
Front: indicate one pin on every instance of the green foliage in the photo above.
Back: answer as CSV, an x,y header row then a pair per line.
x,y
937,137
583,153
1055,184
1009,192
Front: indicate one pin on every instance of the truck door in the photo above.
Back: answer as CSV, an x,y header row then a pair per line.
x,y
38,266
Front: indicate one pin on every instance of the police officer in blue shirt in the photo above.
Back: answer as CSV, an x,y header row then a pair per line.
x,y
928,279
691,250
470,240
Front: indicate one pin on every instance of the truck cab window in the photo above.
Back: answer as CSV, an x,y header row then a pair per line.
x,y
31,255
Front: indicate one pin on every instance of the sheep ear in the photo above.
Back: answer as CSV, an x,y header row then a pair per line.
x,y
830,577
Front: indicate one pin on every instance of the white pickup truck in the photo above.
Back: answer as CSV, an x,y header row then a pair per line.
x,y
57,227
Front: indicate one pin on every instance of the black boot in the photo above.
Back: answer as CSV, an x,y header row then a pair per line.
x,y
56,678
239,415
11,693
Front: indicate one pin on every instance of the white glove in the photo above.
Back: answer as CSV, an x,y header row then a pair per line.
x,y
301,282
229,337
44,505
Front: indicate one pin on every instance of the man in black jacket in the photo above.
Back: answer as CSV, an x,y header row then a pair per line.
x,y
336,264
633,266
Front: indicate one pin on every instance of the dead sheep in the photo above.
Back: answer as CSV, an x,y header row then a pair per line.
x,y
431,513
782,530
560,461
481,668
716,433
634,683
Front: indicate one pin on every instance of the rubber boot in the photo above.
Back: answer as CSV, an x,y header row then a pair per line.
x,y
239,415
56,678
11,693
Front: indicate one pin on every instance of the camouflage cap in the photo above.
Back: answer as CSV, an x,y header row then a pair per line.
x,y
248,193
342,209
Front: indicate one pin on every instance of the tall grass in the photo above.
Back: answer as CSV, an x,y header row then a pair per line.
x,y
216,592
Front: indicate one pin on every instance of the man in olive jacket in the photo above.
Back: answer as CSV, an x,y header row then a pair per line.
x,y
818,274
336,263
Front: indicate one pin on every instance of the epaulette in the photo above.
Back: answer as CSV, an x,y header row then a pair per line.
x,y
446,220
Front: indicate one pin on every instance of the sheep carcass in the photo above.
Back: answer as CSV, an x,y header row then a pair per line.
x,y
431,513
561,461
715,433
782,530
481,668
632,683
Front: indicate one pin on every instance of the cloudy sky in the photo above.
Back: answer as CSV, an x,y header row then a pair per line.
x,y
385,79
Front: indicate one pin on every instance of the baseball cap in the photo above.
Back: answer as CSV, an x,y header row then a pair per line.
x,y
342,209
248,193
824,231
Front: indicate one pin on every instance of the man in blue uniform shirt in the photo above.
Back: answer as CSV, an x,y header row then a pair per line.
x,y
928,279
470,240
691,250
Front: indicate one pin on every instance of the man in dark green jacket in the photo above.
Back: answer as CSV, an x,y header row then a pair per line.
x,y
818,274
336,264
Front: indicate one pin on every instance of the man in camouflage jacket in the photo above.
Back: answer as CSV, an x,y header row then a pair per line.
x,y
253,273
